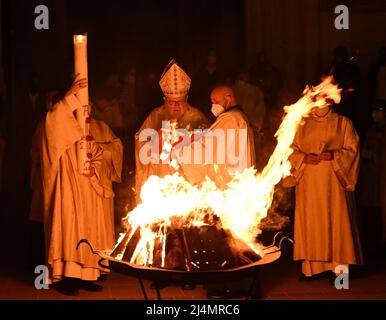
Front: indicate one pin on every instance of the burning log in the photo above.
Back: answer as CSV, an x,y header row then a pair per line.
x,y
209,248
191,248
126,247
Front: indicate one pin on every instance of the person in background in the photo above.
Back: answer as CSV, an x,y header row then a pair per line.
x,y
251,98
2,153
380,92
36,98
207,77
107,106
267,77
125,199
347,75
372,188
375,91
128,100
2,138
147,91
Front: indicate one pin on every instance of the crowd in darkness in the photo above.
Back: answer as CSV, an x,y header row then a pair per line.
x,y
363,101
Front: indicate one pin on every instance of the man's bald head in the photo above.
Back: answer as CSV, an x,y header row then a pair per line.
x,y
224,96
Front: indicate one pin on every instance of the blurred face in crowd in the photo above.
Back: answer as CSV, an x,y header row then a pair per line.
x,y
242,78
212,58
130,77
176,107
378,115
341,56
103,104
151,77
51,98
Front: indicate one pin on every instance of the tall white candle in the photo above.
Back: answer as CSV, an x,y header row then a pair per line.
x,y
80,61
83,114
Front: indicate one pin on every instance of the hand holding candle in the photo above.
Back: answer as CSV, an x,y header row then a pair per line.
x,y
77,85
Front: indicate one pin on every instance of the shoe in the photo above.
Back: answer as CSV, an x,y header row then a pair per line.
x,y
102,277
304,278
188,286
90,286
67,287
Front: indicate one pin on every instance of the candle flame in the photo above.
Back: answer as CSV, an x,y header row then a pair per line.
x,y
80,38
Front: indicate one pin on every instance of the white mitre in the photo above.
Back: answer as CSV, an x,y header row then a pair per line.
x,y
174,82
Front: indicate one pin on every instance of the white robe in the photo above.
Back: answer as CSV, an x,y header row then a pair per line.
x,y
77,207
373,173
326,231
217,170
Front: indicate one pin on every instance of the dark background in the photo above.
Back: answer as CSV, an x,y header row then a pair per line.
x,y
297,37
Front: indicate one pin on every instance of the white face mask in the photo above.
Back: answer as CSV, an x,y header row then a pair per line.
x,y
217,109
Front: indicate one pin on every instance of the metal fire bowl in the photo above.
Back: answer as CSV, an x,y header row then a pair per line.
x,y
269,255
158,275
